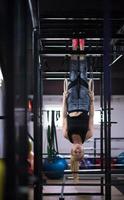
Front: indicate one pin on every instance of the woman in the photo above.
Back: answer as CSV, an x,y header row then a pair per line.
x,y
78,109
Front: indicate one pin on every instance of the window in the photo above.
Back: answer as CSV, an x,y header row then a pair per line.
x,y
97,117
47,115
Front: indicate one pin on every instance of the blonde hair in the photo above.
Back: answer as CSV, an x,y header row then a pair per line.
x,y
74,167
75,163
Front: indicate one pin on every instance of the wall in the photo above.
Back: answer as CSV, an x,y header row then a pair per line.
x,y
117,115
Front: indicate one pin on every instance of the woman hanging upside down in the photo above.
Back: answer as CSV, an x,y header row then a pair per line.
x,y
78,108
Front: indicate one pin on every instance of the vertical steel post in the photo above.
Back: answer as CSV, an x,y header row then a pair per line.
x,y
21,90
101,132
10,141
37,93
41,125
16,97
107,100
37,125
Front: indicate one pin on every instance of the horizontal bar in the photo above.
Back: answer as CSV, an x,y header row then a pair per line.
x,y
2,117
113,138
92,172
78,19
62,25
73,184
87,13
63,73
67,54
68,39
95,172
91,35
55,78
114,182
97,175
72,194
70,51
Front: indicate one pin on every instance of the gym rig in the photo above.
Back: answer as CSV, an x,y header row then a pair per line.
x,y
50,36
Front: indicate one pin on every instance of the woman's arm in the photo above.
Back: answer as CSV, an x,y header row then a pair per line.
x,y
64,115
91,115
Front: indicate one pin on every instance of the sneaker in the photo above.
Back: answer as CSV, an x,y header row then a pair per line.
x,y
74,44
82,44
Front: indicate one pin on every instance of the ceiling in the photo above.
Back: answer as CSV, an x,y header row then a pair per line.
x,y
101,23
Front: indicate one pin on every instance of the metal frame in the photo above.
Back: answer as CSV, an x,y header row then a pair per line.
x,y
39,34
38,92
105,99
50,40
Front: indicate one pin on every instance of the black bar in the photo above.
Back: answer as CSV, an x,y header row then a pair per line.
x,y
101,131
59,75
10,142
32,139
73,194
112,138
62,187
69,35
114,182
21,87
87,13
82,25
107,112
2,117
34,11
70,51
37,131
94,148
72,184
41,125
78,21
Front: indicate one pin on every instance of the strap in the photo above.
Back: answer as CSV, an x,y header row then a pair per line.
x,y
65,85
91,85
84,83
81,81
73,83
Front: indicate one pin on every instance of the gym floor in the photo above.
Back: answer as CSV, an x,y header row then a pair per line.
x,y
116,194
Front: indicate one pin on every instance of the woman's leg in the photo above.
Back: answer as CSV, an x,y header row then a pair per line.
x,y
84,100
72,100
73,75
83,68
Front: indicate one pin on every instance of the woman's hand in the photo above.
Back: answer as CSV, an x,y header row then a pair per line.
x,y
91,95
65,94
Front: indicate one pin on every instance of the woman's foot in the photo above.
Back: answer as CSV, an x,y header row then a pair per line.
x,y
82,44
75,44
